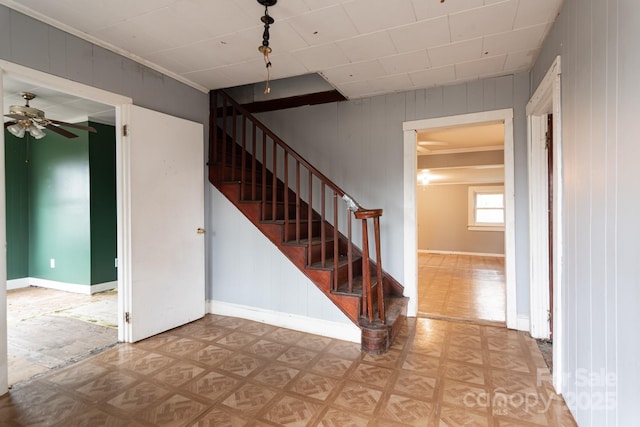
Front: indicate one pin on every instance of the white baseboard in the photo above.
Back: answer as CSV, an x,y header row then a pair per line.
x,y
522,323
430,251
104,286
18,283
326,328
70,287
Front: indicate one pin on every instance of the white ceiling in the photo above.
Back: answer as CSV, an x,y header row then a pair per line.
x,y
474,137
361,47
56,105
462,139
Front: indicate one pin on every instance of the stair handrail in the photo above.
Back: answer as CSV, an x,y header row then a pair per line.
x,y
280,142
353,206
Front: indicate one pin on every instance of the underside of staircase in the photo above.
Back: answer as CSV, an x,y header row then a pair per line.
x,y
241,150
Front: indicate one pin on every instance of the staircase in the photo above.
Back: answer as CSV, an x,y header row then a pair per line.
x,y
309,218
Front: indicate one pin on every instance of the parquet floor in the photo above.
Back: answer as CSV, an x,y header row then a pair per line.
x,y
223,371
462,287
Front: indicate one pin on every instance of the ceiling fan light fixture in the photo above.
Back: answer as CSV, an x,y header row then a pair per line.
x,y
32,120
36,132
16,130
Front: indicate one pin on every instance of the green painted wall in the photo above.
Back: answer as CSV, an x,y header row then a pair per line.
x,y
62,206
17,207
59,222
102,171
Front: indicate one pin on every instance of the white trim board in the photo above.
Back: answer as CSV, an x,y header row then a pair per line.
x,y
410,129
434,251
18,283
523,322
326,328
546,99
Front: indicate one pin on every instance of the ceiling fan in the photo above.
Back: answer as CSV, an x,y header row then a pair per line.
x,y
31,120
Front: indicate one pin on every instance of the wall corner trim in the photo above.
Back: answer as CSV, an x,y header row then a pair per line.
x,y
327,328
522,323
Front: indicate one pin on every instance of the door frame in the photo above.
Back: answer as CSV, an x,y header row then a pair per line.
x,y
545,100
123,230
410,129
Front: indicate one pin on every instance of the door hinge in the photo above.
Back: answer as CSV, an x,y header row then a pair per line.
x,y
127,317
125,130
547,140
549,316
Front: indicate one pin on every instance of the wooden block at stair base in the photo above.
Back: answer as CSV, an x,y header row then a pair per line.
x,y
375,340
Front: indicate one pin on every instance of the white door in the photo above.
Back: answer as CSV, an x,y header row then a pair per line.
x,y
163,215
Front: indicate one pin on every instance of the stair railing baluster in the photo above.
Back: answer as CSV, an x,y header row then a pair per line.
x,y
253,162
286,196
224,138
323,237
336,246
367,295
243,162
379,283
309,218
366,274
349,252
213,130
274,183
298,206
234,138
263,196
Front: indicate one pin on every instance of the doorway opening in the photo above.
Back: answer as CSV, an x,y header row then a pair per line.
x,y
460,216
61,222
546,215
497,169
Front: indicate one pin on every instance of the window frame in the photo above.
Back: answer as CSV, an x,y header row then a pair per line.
x,y
474,191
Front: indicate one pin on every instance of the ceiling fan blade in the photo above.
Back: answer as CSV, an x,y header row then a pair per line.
x,y
7,124
16,116
61,131
72,125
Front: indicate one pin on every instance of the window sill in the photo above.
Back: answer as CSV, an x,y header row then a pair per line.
x,y
485,227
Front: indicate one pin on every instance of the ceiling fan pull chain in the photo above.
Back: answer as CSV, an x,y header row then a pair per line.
x,y
267,62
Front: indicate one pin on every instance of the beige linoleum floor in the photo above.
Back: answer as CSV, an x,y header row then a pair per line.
x,y
48,329
224,371
462,287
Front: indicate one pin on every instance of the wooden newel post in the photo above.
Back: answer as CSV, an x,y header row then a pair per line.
x,y
367,297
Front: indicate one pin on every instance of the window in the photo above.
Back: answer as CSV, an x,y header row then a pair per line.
x,y
486,208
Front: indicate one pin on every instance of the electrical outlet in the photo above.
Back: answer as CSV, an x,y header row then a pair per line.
x,y
52,263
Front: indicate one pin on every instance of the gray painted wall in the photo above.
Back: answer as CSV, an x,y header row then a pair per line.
x,y
359,145
598,44
443,219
